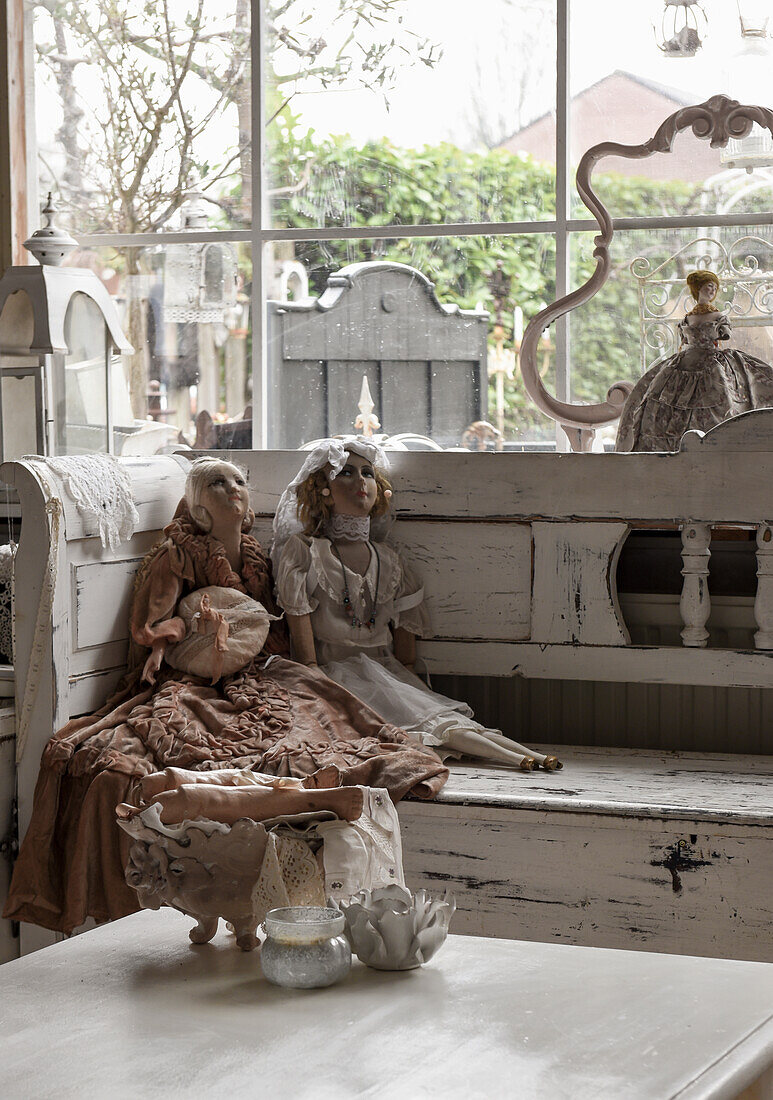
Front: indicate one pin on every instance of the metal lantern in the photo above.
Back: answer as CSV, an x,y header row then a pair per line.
x,y
199,278
681,29
62,382
749,81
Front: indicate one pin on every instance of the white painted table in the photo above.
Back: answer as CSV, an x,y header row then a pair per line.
x,y
132,1010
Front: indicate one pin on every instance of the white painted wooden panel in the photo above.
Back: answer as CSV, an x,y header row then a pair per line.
x,y
678,887
92,690
101,600
721,788
574,594
476,580
659,489
644,664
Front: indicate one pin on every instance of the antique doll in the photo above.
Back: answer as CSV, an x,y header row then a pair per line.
x,y
353,606
273,715
697,387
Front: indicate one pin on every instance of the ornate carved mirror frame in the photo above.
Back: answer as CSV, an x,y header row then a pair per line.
x,y
717,120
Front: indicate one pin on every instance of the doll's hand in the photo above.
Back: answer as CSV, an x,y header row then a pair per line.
x,y
153,664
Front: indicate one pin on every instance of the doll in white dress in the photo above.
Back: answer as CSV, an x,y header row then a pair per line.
x,y
354,608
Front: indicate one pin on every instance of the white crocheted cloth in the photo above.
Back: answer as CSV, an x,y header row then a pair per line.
x,y
102,493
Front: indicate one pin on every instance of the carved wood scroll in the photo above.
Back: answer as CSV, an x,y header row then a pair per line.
x,y
716,120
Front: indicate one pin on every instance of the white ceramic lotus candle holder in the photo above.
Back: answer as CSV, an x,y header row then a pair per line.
x,y
391,929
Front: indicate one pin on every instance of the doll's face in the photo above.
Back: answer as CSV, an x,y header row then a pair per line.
x,y
707,293
354,490
225,496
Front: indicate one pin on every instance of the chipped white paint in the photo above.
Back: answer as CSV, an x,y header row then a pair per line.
x,y
101,600
654,851
763,604
574,597
695,603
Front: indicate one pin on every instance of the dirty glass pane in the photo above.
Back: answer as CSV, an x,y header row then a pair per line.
x,y
420,335
665,57
185,309
632,321
409,112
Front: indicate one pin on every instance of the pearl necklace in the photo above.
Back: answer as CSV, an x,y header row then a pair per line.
x,y
357,622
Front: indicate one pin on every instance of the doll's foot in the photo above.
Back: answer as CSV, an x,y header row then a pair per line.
x,y
552,764
528,764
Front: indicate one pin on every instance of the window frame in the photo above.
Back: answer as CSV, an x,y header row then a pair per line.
x,y
15,207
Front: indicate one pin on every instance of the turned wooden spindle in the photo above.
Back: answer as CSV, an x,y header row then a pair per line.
x,y
695,603
763,603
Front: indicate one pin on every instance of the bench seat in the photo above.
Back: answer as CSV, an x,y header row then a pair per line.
x,y
660,851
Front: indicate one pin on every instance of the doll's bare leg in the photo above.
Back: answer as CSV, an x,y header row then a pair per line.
x,y
204,930
549,763
482,746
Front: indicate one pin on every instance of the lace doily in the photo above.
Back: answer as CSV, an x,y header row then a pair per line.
x,y
102,493
289,875
7,554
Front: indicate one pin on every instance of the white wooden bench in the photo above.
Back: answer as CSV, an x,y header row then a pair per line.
x,y
518,554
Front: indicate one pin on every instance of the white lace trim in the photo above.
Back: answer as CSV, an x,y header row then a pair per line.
x,y
351,528
289,875
102,493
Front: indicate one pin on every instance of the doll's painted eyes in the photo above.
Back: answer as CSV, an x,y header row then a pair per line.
x,y
348,471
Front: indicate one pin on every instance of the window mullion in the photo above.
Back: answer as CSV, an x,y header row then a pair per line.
x,y
259,362
563,387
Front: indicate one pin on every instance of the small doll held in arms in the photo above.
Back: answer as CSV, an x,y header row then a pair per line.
x,y
354,608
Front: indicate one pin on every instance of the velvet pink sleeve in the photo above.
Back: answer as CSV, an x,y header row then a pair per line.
x,y
153,617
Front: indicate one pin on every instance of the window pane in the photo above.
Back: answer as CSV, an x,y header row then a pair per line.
x,y
424,118
185,310
137,103
631,322
624,95
343,312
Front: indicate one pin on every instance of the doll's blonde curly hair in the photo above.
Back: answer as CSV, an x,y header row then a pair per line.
x,y
315,509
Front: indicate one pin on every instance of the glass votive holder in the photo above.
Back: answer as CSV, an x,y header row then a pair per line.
x,y
305,947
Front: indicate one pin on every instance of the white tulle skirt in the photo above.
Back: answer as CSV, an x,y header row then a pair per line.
x,y
400,697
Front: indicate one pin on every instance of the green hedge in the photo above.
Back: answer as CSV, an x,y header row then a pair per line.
x,y
381,184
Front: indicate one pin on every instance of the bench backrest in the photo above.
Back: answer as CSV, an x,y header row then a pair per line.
x,y
517,553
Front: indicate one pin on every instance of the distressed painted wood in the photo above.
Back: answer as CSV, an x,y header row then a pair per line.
x,y
659,852
695,604
484,585
635,664
573,598
102,599
763,604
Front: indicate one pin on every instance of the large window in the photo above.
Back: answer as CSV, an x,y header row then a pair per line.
x,y
222,161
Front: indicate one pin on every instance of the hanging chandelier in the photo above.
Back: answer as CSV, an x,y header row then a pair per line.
x,y
681,29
